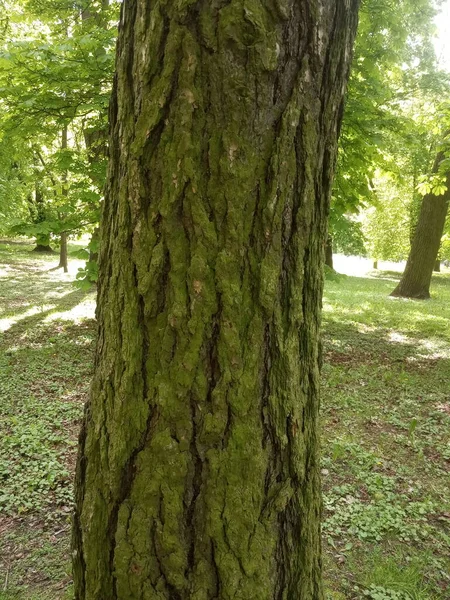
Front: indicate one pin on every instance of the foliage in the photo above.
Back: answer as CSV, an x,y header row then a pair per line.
x,y
55,75
348,235
391,109
386,224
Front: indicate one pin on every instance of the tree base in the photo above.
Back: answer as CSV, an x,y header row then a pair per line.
x,y
42,249
412,294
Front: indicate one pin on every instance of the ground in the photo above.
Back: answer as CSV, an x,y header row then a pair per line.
x,y
386,416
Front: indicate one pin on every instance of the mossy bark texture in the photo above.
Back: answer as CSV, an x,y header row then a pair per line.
x,y
198,474
422,259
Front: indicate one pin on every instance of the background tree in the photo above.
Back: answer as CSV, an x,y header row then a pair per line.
x,y
416,279
56,72
198,473
394,90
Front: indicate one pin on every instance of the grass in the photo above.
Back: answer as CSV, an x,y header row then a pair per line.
x,y
386,417
386,442
45,365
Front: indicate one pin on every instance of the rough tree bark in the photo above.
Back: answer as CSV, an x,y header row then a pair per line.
x,y
329,252
198,470
416,279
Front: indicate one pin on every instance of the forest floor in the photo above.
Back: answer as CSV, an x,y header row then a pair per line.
x,y
386,439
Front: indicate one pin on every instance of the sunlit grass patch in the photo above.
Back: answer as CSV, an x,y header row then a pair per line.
x,y
45,367
386,458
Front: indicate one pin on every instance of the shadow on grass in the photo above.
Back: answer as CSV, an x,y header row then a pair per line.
x,y
26,284
364,302
64,304
347,343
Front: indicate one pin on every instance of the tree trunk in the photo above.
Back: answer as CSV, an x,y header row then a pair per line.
x,y
37,211
63,255
375,264
198,469
96,139
416,279
437,266
43,245
329,252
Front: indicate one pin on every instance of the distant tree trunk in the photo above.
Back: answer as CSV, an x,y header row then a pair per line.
x,y
416,279
329,252
375,264
42,245
37,211
437,266
96,139
198,469
63,255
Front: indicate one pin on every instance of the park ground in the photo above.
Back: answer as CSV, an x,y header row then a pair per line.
x,y
386,430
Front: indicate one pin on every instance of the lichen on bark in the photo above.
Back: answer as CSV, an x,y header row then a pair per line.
x,y
198,465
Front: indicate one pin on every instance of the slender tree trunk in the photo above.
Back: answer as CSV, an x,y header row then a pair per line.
x,y
329,252
198,469
416,279
437,266
375,264
37,211
63,254
96,139
414,209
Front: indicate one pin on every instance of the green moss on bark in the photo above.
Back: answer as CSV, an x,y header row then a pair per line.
x,y
198,470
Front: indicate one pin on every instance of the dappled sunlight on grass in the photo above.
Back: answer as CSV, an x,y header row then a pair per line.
x,y
45,368
366,301
31,288
385,409
81,311
386,381
8,322
357,266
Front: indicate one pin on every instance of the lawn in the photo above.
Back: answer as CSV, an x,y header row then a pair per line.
x,y
386,417
386,441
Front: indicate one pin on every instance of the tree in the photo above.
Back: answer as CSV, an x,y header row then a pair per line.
x,y
55,75
198,470
37,213
416,279
393,92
